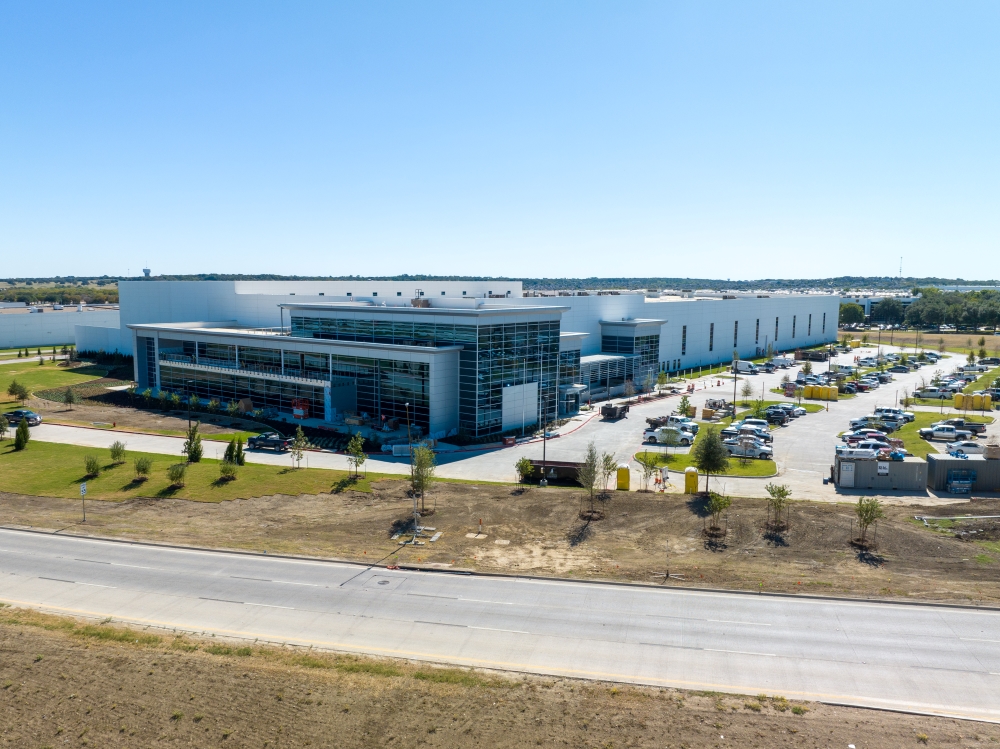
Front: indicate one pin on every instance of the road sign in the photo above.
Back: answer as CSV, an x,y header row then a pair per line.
x,y
83,489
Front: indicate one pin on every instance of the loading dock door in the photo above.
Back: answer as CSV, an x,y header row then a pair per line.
x,y
847,475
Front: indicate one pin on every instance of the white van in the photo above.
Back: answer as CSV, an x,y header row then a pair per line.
x,y
744,367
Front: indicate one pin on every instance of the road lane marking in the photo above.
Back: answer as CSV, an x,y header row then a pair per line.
x,y
92,561
96,585
56,579
976,639
221,600
440,624
494,629
268,605
428,595
739,652
257,579
727,621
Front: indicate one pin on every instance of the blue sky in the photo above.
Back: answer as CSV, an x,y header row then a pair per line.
x,y
723,139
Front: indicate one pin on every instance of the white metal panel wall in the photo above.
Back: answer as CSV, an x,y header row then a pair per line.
x,y
50,328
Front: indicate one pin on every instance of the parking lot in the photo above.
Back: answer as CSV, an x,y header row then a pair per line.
x,y
803,449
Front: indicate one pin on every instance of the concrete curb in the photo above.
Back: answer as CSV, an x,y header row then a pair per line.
x,y
500,575
904,711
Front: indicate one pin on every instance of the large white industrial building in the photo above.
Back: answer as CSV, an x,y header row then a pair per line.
x,y
451,356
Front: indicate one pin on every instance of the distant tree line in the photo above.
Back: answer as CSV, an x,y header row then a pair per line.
x,y
934,308
60,294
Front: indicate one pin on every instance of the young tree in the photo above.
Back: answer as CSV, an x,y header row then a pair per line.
x,y
807,367
22,435
213,406
941,346
746,391
589,472
175,474
524,469
609,466
629,389
661,380
684,406
233,409
92,465
777,500
424,466
647,461
142,466
69,398
193,402
718,504
356,452
4,426
299,446
241,458
175,401
164,398
758,410
18,391
785,378
192,445
865,339
869,510
710,454
147,397
230,455
647,382
227,471
117,452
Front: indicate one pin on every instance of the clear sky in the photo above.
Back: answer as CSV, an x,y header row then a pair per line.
x,y
710,139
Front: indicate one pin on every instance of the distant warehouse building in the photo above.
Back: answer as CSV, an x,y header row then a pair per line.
x,y
40,325
477,357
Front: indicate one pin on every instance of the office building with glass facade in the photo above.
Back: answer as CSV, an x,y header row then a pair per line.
x,y
442,359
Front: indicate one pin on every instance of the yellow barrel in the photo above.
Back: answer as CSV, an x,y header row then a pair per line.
x,y
988,402
623,477
977,402
958,401
690,480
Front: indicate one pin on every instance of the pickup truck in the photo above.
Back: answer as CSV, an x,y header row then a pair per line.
x,y
962,424
269,440
884,422
932,393
944,432
894,414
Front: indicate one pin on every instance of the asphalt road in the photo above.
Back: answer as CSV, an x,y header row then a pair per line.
x,y
923,658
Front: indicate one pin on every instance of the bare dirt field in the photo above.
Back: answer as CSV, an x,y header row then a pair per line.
x,y
539,532
66,682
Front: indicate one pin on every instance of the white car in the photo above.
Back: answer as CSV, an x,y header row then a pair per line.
x,y
964,447
663,435
756,450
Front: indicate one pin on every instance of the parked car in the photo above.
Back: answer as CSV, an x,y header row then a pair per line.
x,y
875,445
945,432
777,416
14,417
270,441
898,413
662,436
932,393
754,423
859,435
899,369
876,421
962,424
754,450
965,447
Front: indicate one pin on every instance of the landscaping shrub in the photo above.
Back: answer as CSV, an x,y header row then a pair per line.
x,y
93,465
22,435
227,470
143,466
117,452
175,474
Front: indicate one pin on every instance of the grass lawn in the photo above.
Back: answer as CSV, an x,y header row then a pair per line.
x,y
54,470
983,382
678,462
44,377
911,439
955,342
224,437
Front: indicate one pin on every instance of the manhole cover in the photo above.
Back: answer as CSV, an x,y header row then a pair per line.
x,y
382,582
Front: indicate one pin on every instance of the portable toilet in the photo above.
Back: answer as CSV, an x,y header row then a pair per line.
x,y
834,393
623,477
988,402
690,480
958,401
977,402
807,391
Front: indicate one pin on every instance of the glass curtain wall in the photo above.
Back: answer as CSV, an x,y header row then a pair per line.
x,y
225,387
493,356
569,367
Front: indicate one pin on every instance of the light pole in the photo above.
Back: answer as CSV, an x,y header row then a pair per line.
x,y
187,388
409,444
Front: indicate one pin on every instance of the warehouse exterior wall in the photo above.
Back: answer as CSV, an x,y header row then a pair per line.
x,y
52,327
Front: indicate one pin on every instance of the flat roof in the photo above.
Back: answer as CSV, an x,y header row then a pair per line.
x,y
598,358
488,309
278,340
